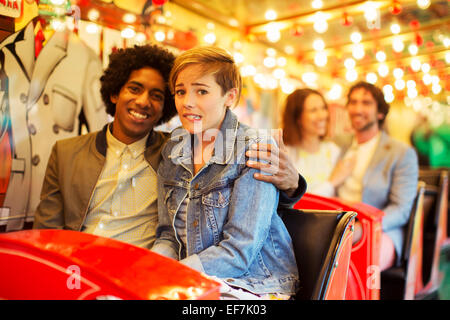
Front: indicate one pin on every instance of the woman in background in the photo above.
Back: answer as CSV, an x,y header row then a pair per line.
x,y
305,126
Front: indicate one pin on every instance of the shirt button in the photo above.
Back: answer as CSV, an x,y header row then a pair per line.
x,y
115,213
23,98
101,225
46,99
125,166
35,160
32,129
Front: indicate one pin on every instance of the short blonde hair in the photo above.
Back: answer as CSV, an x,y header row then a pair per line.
x,y
212,60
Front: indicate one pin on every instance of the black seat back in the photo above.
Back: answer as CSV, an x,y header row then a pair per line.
x,y
316,236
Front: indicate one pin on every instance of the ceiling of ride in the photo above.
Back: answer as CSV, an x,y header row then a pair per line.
x,y
331,37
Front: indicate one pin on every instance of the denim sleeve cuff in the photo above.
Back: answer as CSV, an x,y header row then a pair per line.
x,y
194,262
165,250
286,201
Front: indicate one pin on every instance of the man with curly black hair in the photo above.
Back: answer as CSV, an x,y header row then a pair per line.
x,y
104,182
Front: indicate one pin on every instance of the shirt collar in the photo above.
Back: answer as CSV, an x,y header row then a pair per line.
x,y
118,148
371,141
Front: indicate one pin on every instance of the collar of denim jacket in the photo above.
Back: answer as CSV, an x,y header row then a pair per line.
x,y
224,146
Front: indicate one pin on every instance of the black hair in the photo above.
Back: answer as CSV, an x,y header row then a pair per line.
x,y
377,94
124,61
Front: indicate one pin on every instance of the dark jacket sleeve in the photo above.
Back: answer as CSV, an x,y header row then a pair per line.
x,y
288,202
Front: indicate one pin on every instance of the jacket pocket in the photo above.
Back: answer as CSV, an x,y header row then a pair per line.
x,y
217,198
64,108
170,201
215,207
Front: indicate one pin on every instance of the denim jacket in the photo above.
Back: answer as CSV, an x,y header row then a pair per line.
x,y
233,229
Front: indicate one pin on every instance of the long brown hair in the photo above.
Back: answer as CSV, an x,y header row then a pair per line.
x,y
293,111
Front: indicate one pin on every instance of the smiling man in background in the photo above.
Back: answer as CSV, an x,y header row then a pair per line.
x,y
386,171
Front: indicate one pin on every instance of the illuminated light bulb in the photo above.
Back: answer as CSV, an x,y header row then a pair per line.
x,y
388,89
447,57
318,45
233,22
358,51
446,42
389,97
370,11
383,70
273,35
415,64
413,49
412,93
398,73
271,82
279,73
210,37
335,92
237,45
426,79
317,4
287,87
170,35
395,28
398,45
289,49
281,61
425,67
356,37
57,2
271,52
320,59
309,77
435,79
129,18
270,14
248,71
371,77
423,4
160,36
349,63
270,62
93,14
320,22
399,84
128,33
140,37
238,57
259,78
251,70
92,28
380,56
351,75
436,88
410,84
